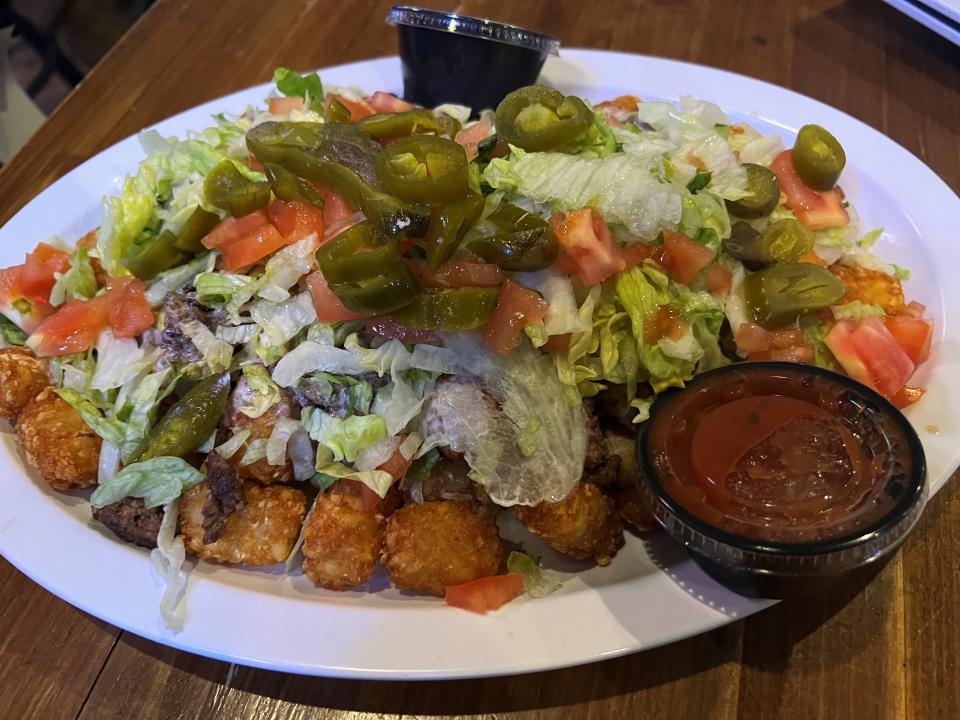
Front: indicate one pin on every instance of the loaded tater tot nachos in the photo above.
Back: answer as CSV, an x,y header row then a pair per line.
x,y
345,333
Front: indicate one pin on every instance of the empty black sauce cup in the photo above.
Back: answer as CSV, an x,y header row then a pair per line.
x,y
450,58
784,559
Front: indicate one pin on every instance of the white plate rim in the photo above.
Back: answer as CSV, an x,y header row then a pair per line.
x,y
350,637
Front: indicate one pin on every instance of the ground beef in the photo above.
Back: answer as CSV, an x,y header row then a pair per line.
x,y
449,480
337,403
130,520
226,495
177,310
597,451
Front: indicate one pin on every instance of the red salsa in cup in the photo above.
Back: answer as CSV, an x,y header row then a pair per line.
x,y
786,457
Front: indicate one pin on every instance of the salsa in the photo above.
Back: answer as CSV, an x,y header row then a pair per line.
x,y
788,456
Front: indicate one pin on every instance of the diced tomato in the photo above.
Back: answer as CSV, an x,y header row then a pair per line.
x,y
666,322
336,212
787,337
869,353
751,338
630,103
913,334
516,308
384,102
684,257
908,396
254,163
285,105
20,309
816,210
793,353
385,326
467,274
915,309
812,258
38,277
295,220
588,249
74,328
396,464
718,278
637,252
887,362
486,594
130,312
359,109
557,343
235,229
328,306
471,137
245,240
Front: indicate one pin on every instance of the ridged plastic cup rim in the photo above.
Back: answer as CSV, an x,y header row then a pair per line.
x,y
893,526
470,26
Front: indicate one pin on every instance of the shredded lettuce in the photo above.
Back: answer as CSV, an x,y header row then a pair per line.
x,y
310,356
217,354
342,438
278,323
377,480
77,283
265,392
537,582
118,361
293,84
157,481
229,447
179,277
621,185
216,289
856,310
279,437
167,560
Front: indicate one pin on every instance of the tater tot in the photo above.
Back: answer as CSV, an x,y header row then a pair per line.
x,y
633,511
22,377
58,443
431,546
342,541
261,532
260,429
584,525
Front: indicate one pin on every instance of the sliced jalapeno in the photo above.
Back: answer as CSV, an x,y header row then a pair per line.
x,y
424,169
540,118
156,256
448,226
386,293
288,186
389,126
779,294
197,226
225,187
450,309
190,421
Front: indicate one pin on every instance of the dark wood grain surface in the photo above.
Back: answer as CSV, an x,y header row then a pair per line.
x,y
886,648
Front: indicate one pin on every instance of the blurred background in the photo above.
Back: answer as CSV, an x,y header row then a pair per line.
x,y
46,47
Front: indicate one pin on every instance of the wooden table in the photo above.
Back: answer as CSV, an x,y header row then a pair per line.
x,y
887,649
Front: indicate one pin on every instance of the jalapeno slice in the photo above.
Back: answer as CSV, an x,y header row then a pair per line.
x,y
539,118
288,186
197,226
424,169
450,309
394,289
818,157
390,126
779,294
190,421
358,253
155,256
527,243
763,190
448,226
226,187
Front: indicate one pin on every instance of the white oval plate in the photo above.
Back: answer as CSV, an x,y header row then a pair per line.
x,y
652,594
